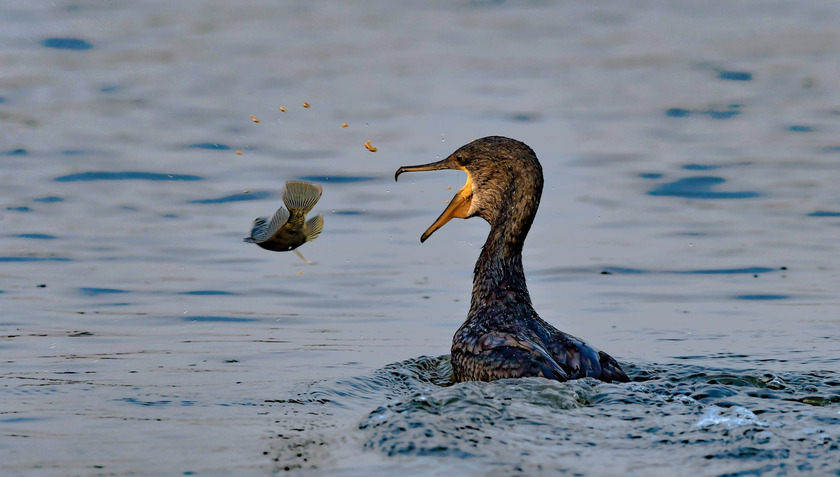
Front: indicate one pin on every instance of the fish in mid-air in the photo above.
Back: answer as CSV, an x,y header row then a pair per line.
x,y
289,229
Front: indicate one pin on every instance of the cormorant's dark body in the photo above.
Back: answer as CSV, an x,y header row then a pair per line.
x,y
503,337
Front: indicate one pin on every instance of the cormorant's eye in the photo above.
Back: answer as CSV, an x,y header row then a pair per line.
x,y
461,160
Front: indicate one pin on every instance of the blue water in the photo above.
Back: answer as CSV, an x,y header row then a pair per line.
x,y
220,319
67,44
120,176
336,179
714,113
100,291
735,75
208,292
210,145
688,226
34,259
762,297
251,195
700,188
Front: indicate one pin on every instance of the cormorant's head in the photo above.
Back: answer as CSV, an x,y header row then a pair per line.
x,y
503,175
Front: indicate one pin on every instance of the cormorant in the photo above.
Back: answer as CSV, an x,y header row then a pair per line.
x,y
503,337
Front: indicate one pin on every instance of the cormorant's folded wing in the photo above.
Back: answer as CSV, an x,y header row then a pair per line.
x,y
539,360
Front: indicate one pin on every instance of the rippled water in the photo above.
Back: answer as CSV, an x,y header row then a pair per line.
x,y
713,420
689,227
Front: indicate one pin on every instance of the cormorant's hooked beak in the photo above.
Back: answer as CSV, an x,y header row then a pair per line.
x,y
459,206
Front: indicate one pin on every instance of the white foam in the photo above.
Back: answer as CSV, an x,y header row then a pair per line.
x,y
736,416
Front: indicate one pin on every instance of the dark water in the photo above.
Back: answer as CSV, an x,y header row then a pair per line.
x,y
689,227
716,421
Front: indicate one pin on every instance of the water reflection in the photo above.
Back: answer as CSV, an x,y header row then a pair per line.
x,y
238,197
638,271
338,178
125,176
726,112
67,44
100,291
699,188
210,145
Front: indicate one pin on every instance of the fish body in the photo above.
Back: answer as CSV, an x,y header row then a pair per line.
x,y
288,228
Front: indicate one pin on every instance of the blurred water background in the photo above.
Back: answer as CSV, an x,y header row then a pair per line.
x,y
689,227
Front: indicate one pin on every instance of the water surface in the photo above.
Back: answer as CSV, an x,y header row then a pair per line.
x,y
688,227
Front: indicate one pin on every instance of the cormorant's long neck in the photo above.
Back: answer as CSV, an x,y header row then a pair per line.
x,y
499,277
498,272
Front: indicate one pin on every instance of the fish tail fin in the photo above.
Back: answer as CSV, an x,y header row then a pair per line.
x,y
314,226
301,196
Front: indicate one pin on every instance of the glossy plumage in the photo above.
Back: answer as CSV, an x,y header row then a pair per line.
x,y
503,337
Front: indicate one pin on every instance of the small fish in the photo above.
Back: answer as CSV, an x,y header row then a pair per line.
x,y
289,229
